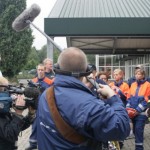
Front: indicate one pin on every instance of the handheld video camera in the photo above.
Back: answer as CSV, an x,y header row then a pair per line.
x,y
31,94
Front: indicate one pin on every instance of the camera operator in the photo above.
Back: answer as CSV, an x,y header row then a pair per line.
x,y
11,123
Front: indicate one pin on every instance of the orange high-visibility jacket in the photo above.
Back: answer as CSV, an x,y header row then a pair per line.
x,y
139,95
124,88
46,80
144,90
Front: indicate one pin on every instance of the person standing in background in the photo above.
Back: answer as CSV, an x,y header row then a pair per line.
x,y
119,86
133,79
137,104
48,63
103,76
44,83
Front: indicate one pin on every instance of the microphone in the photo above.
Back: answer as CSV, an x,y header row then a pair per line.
x,y
22,21
31,97
26,18
31,92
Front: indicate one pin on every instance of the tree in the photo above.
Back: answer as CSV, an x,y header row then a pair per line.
x,y
56,54
42,53
14,46
32,60
91,58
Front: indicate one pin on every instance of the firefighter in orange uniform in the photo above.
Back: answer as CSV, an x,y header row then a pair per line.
x,y
119,86
136,106
44,83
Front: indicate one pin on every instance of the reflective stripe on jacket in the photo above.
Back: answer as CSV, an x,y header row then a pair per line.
x,y
140,93
142,90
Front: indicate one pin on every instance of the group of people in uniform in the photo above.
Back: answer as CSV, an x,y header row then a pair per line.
x,y
78,119
134,94
74,114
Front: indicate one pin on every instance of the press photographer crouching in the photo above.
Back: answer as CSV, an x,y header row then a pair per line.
x,y
12,122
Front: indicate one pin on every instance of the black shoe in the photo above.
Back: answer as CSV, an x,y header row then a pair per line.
x,y
121,143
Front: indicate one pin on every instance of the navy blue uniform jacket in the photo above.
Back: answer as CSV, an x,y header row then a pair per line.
x,y
90,116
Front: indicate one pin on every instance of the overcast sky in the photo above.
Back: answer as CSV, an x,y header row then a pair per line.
x,y
46,6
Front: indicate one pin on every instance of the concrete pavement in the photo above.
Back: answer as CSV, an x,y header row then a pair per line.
x,y
128,144
23,139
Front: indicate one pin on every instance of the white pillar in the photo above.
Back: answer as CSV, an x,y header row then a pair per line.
x,y
50,49
97,62
127,70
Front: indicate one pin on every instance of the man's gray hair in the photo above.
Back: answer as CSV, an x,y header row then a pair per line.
x,y
72,59
46,60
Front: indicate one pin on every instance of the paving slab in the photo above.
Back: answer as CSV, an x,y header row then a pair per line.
x,y
128,144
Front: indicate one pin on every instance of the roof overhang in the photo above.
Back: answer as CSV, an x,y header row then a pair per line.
x,y
103,35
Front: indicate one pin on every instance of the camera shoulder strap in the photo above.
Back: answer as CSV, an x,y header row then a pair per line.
x,y
62,126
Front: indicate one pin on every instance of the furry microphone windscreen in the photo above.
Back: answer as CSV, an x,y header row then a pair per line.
x,y
20,23
31,92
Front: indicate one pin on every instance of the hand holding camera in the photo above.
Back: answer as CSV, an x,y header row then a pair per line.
x,y
105,91
19,104
115,88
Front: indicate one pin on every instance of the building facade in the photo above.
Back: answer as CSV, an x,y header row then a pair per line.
x,y
124,62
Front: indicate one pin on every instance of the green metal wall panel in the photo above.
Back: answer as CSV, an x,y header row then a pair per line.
x,y
97,26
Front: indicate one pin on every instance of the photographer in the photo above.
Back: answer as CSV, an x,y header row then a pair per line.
x,y
70,117
11,123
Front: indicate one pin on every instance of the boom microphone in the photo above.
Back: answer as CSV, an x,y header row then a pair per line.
x,y
26,18
20,23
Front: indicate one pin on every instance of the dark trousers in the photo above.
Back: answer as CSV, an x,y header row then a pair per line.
x,y
138,130
33,136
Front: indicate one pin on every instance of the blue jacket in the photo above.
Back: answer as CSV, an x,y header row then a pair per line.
x,y
84,112
139,95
